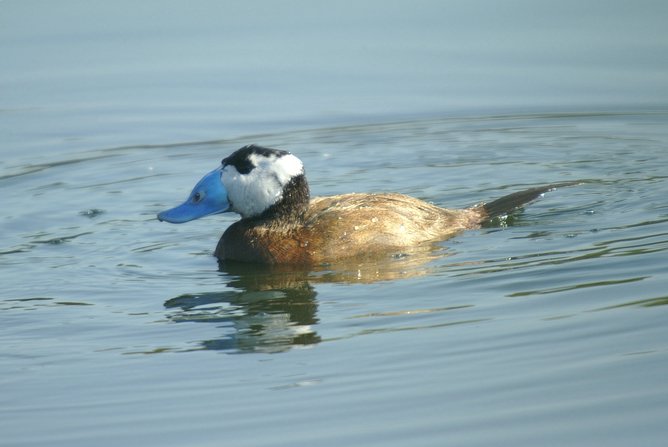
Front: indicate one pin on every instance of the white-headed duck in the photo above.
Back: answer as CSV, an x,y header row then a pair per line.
x,y
281,224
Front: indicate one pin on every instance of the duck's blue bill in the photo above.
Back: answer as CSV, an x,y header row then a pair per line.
x,y
208,197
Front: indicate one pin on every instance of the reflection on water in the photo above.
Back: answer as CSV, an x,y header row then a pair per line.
x,y
267,312
274,308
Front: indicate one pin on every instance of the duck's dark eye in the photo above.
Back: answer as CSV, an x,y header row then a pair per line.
x,y
197,197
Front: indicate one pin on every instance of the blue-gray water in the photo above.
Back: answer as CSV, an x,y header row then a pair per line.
x,y
117,329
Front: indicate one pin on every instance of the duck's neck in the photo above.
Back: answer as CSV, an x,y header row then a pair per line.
x,y
293,204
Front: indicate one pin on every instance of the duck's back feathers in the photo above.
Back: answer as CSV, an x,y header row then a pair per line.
x,y
371,223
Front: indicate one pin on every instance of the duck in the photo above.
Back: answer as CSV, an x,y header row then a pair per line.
x,y
281,224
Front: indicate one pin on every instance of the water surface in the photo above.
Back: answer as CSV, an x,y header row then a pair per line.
x,y
551,330
548,329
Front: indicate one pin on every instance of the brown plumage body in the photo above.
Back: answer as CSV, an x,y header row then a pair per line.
x,y
344,226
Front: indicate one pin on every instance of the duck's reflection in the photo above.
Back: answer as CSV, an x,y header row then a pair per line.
x,y
274,308
269,310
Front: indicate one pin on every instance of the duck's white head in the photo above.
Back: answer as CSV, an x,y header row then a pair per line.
x,y
253,181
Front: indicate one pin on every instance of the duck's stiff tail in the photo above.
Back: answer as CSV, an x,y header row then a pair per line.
x,y
507,204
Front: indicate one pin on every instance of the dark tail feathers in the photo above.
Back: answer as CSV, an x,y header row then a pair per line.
x,y
507,204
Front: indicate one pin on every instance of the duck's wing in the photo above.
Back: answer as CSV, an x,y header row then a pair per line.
x,y
379,222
